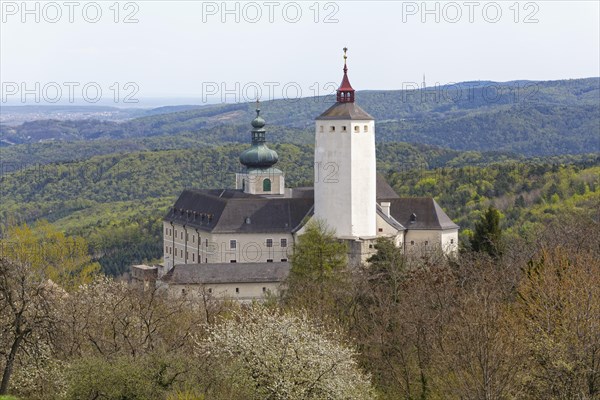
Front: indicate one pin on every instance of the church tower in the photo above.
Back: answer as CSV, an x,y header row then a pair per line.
x,y
260,177
345,168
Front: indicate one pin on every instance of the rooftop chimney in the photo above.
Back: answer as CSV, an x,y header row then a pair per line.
x,y
385,207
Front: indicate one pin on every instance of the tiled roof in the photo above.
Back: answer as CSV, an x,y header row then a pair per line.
x,y
233,211
345,111
428,214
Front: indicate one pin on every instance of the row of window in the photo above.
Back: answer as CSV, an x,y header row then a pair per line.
x,y
412,242
269,243
170,250
269,260
232,243
237,290
345,128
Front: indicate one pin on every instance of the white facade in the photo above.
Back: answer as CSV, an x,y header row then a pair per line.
x,y
202,247
242,292
345,176
262,182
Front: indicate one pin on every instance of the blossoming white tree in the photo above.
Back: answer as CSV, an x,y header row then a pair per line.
x,y
285,356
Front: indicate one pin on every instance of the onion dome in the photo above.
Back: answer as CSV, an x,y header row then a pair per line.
x,y
258,155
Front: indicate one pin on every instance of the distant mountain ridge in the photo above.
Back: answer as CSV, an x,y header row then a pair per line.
x,y
526,117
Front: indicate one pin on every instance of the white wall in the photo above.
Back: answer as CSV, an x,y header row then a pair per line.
x,y
345,177
254,182
249,247
244,292
445,240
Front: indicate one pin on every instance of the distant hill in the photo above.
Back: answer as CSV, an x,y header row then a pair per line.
x,y
525,117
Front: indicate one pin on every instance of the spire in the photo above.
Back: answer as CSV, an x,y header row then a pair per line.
x,y
345,93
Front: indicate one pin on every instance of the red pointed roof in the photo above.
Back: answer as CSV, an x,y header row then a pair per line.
x,y
345,93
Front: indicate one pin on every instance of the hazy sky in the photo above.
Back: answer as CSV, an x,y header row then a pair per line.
x,y
198,49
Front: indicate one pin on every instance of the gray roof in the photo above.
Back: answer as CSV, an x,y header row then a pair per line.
x,y
222,211
429,215
229,210
228,273
345,111
384,190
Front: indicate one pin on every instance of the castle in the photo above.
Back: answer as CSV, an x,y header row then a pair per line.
x,y
237,242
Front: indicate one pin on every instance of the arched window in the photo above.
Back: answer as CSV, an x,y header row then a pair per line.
x,y
267,185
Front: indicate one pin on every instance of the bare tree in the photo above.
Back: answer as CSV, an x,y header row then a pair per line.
x,y
26,311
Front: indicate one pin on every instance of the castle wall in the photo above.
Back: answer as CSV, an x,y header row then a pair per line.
x,y
204,247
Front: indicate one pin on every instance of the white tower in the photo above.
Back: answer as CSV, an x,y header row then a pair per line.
x,y
345,167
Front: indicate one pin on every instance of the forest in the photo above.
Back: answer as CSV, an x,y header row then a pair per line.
x,y
515,315
117,201
533,118
518,318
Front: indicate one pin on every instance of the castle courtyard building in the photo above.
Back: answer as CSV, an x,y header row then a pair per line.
x,y
237,242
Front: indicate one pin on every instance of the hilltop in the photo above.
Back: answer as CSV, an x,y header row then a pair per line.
x,y
526,117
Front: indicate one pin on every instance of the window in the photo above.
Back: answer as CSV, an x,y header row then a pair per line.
x,y
332,129
269,242
366,128
193,257
209,290
232,261
167,231
182,291
412,242
237,290
344,128
380,229
166,249
356,129
264,289
182,235
181,252
283,242
284,260
269,260
175,232
206,242
193,239
451,241
321,128
232,244
426,242
267,185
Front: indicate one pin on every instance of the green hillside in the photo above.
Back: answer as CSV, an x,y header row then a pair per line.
x,y
530,118
117,200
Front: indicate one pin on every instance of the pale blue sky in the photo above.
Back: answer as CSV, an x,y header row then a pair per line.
x,y
184,49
